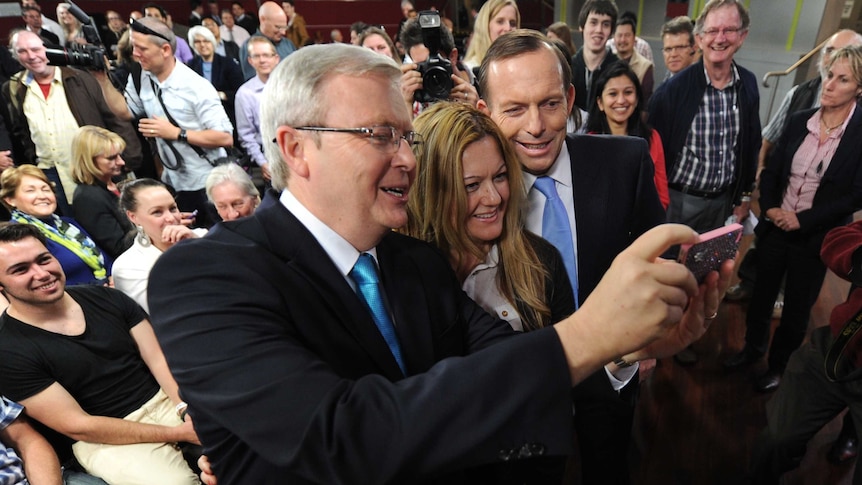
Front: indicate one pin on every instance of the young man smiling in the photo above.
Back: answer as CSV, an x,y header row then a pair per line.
x,y
596,20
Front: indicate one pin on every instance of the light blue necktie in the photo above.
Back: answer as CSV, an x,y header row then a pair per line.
x,y
364,274
556,229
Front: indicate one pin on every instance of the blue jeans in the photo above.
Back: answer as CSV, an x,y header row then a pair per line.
x,y
78,478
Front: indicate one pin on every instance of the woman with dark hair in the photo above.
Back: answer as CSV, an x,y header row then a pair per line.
x,y
618,110
151,207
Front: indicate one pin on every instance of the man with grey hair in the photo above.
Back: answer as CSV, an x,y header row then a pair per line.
x,y
709,121
180,112
349,357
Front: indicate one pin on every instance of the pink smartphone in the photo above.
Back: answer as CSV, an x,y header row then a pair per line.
x,y
712,249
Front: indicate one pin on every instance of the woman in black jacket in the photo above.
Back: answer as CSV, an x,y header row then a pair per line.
x,y
96,163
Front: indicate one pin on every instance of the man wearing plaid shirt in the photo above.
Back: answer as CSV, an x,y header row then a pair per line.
x,y
707,116
18,442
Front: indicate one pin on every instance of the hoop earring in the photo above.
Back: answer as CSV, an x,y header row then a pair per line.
x,y
142,237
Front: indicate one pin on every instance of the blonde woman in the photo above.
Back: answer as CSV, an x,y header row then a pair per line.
x,y
96,162
495,19
467,200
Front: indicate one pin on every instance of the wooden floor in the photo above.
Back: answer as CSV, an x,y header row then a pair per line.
x,y
697,425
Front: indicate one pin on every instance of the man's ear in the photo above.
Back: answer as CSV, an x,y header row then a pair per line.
x,y
453,56
570,98
483,107
291,145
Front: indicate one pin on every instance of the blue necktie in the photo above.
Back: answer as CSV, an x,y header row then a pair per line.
x,y
364,274
556,229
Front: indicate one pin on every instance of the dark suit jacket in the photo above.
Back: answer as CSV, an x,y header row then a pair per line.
x,y
615,200
97,210
49,37
231,50
289,380
227,78
227,75
839,193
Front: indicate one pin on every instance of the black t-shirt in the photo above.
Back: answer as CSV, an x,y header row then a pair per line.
x,y
102,368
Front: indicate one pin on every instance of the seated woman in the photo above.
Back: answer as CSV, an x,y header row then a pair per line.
x,y
28,194
467,200
617,110
96,160
152,209
232,192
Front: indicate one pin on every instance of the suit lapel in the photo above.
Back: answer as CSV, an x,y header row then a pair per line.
x,y
848,148
405,294
296,246
591,205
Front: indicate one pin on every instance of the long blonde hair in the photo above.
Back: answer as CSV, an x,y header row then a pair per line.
x,y
481,40
437,207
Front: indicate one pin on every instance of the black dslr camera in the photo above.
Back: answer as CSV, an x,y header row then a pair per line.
x,y
436,71
91,56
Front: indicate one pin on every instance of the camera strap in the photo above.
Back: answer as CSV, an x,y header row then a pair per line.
x,y
844,362
170,143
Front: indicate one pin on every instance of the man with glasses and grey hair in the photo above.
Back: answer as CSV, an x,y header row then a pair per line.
x,y
180,112
708,118
356,355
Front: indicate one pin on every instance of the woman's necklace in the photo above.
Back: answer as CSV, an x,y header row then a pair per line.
x,y
827,128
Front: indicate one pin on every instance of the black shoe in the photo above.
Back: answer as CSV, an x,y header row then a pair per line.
x,y
768,382
844,448
741,359
686,356
739,292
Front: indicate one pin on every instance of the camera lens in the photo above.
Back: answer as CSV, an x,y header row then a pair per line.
x,y
437,83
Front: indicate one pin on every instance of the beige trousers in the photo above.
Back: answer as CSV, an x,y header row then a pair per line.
x,y
139,463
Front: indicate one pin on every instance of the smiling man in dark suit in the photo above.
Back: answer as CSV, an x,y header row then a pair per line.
x,y
315,345
606,185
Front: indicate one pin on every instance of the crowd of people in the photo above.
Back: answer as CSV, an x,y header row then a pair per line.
x,y
171,318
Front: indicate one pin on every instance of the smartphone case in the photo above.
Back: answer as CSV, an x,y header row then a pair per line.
x,y
712,249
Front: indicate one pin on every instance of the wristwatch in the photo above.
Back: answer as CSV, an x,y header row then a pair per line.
x,y
183,136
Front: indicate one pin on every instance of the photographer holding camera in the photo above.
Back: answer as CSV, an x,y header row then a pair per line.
x,y
435,72
73,97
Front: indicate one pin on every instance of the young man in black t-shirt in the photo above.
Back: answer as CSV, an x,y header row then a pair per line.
x,y
85,362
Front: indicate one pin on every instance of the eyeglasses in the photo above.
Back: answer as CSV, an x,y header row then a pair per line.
x,y
727,32
674,48
255,57
143,29
385,137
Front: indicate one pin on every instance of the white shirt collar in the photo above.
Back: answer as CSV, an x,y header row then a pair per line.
x,y
560,171
341,252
